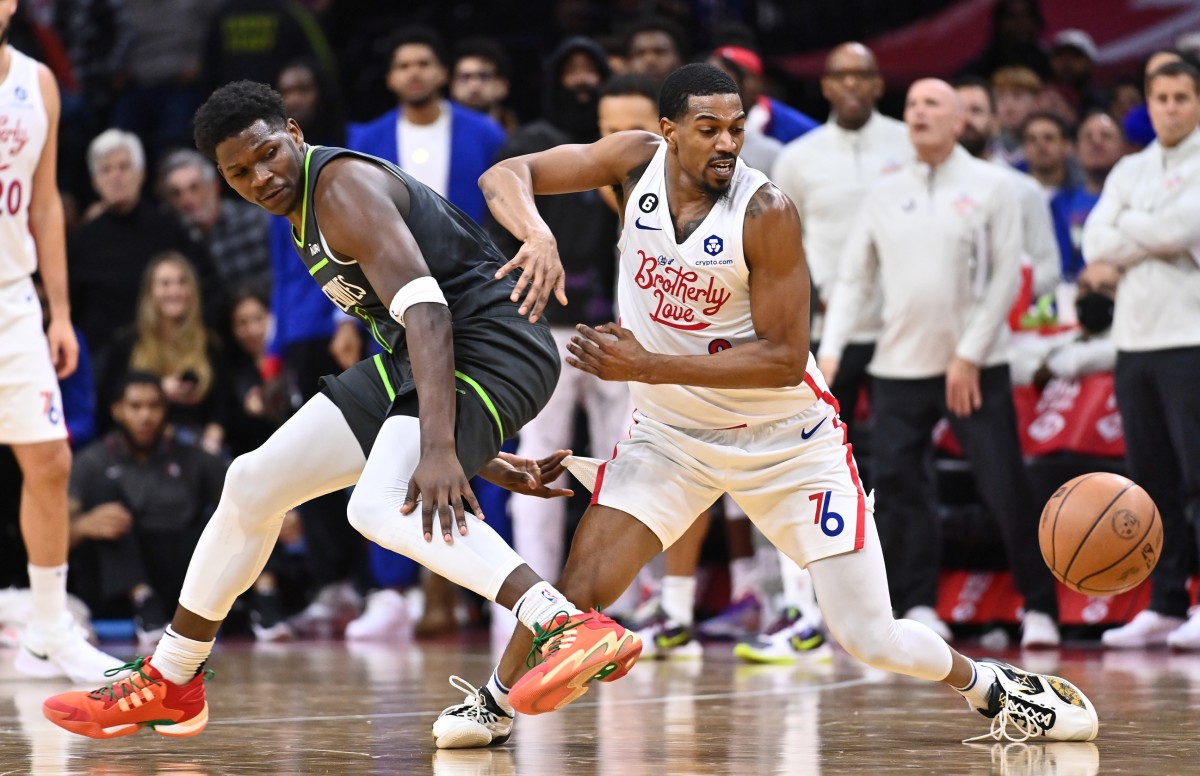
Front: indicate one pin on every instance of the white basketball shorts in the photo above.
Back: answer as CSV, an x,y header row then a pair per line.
x,y
30,403
795,478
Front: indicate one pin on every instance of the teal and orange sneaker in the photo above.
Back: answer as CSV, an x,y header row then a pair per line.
x,y
569,653
141,699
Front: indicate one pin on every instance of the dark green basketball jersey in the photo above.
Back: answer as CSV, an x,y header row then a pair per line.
x,y
460,256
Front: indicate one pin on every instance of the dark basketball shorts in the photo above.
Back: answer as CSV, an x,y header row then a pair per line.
x,y
505,370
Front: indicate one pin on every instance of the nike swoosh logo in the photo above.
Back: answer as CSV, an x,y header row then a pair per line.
x,y
805,434
638,223
38,655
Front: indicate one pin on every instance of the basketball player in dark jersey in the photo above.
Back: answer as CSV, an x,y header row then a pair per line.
x,y
462,368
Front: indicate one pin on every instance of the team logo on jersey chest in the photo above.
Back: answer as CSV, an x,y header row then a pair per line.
x,y
677,292
343,293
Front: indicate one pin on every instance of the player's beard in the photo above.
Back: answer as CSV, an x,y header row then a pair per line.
x,y
973,141
716,194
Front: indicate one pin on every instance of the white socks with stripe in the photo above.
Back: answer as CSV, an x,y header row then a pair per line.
x,y
976,691
499,694
179,658
540,603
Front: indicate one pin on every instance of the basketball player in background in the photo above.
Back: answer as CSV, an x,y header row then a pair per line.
x,y
713,293
31,411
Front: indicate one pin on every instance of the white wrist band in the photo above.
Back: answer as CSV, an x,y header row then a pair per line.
x,y
423,289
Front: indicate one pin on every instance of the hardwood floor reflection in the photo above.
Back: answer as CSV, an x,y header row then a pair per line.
x,y
327,707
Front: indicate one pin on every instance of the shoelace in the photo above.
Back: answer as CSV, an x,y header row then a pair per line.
x,y
1022,719
552,639
122,688
115,691
474,707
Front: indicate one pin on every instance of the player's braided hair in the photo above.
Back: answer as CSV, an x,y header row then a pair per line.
x,y
694,80
233,108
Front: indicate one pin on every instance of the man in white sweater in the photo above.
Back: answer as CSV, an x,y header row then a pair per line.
x,y
1148,222
826,172
942,239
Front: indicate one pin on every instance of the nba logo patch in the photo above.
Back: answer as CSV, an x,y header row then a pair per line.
x,y
713,245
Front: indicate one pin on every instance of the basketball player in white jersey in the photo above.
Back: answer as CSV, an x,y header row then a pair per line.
x,y
31,413
714,293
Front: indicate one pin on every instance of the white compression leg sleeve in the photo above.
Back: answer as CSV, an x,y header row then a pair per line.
x,y
479,561
313,453
852,592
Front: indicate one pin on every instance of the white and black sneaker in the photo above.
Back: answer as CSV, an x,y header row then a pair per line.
x,y
476,722
1026,706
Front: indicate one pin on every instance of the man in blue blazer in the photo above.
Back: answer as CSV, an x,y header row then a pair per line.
x,y
442,144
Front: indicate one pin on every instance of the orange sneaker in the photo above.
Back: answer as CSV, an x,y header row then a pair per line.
x,y
142,699
568,654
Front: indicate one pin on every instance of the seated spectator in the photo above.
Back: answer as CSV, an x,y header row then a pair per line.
x,y
1078,352
139,500
479,79
108,251
1048,142
1101,144
169,340
1016,91
311,99
233,230
1072,62
259,392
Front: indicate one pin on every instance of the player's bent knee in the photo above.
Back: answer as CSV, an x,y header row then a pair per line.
x,y
873,643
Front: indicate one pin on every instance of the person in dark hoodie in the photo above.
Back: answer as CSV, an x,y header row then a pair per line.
x,y
586,229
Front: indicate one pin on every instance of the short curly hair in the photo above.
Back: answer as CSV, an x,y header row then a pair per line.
x,y
695,80
232,109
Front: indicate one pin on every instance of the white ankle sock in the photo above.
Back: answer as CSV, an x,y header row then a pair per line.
x,y
981,683
499,693
179,658
743,577
48,589
540,603
679,599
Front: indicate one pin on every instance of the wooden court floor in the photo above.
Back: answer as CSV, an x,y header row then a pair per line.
x,y
332,708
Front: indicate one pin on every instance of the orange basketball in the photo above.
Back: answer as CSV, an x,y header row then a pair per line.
x,y
1100,534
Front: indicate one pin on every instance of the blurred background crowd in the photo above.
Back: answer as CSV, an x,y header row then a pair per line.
x,y
202,333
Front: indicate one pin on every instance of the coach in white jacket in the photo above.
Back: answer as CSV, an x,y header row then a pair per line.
x,y
826,173
1148,222
943,241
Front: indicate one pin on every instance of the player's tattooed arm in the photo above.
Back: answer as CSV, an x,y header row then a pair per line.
x,y
629,182
766,198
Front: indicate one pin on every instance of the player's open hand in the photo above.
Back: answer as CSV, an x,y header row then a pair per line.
x,y
541,274
608,352
64,347
527,476
443,490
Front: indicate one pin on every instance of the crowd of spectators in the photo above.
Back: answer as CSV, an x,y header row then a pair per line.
x,y
201,332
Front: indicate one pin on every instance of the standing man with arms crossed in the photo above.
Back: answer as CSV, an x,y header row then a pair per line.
x,y
31,410
1146,223
409,424
714,291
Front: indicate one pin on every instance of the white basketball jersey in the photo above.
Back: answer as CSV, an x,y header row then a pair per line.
x,y
23,125
693,298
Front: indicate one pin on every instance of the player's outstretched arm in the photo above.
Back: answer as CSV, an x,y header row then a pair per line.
x,y
779,297
356,205
509,188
